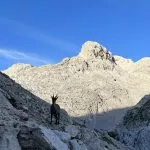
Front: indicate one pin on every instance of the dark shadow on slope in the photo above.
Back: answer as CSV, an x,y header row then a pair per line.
x,y
139,114
129,117
12,102
102,121
134,128
22,99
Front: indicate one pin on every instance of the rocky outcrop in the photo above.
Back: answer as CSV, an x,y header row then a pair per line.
x,y
36,137
135,128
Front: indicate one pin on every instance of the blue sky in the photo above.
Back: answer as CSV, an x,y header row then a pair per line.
x,y
42,32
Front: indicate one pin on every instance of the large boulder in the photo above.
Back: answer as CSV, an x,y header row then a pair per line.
x,y
39,138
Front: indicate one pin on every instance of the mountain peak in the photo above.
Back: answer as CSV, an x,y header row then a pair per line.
x,y
93,50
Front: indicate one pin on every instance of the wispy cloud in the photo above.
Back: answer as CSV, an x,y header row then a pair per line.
x,y
36,34
22,57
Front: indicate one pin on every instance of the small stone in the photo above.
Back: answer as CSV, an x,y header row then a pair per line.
x,y
72,130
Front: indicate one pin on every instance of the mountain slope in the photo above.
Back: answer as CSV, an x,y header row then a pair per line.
x,y
25,125
90,84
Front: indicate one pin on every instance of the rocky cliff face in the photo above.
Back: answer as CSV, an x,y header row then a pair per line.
x,y
25,125
94,86
135,127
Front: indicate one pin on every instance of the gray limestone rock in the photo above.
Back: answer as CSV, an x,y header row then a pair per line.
x,y
91,86
135,128
74,145
39,138
72,130
64,136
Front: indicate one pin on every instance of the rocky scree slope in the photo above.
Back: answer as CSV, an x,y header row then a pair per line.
x,y
90,86
24,125
134,130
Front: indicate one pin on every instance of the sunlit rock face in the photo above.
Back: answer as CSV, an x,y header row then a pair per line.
x,y
92,50
91,86
97,56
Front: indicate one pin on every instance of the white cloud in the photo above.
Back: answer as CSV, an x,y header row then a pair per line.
x,y
38,35
22,57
